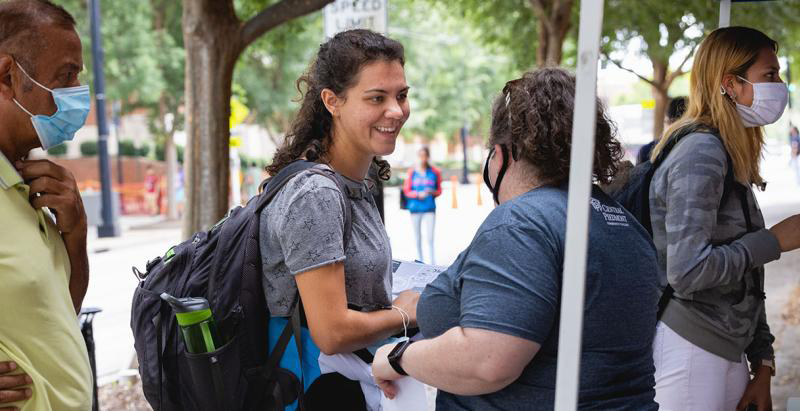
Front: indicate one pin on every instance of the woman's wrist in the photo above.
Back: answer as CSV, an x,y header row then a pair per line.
x,y
762,373
405,320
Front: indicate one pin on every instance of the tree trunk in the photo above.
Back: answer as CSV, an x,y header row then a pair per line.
x,y
214,37
554,21
541,49
208,27
660,87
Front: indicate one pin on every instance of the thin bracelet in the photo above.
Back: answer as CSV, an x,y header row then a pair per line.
x,y
406,319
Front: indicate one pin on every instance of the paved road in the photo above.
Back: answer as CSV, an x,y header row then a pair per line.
x,y
112,282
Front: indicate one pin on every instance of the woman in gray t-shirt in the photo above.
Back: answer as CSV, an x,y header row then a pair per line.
x,y
353,107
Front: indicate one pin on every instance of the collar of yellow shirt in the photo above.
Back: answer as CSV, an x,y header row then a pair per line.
x,y
10,178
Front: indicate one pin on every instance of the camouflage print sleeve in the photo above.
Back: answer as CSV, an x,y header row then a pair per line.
x,y
695,177
761,346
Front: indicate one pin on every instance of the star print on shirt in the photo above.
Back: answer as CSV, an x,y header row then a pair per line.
x,y
283,301
329,237
313,255
327,202
294,247
370,266
308,224
290,217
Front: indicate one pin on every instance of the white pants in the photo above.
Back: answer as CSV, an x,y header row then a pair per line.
x,y
690,378
429,220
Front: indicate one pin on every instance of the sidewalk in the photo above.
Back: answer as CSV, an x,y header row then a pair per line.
x,y
112,283
782,277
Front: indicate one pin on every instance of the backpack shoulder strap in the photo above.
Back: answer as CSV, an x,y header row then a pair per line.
x,y
273,185
644,198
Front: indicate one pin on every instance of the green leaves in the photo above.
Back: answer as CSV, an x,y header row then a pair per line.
x,y
453,74
265,75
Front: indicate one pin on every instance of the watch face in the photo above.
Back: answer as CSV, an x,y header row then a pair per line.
x,y
397,349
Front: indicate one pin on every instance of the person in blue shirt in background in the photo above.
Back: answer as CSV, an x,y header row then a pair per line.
x,y
423,184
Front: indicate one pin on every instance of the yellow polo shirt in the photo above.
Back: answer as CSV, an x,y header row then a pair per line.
x,y
38,325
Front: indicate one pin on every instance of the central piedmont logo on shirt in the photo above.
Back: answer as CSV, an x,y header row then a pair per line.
x,y
612,215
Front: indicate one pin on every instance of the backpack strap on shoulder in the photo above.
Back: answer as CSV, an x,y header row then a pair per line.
x,y
273,185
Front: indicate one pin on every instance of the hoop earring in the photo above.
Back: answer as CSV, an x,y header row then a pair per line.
x,y
731,95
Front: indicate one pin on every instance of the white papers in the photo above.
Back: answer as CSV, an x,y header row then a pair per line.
x,y
407,275
411,396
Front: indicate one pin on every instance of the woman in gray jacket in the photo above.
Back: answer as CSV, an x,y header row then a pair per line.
x,y
709,231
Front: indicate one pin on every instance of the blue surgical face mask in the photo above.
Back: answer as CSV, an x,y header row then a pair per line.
x,y
73,107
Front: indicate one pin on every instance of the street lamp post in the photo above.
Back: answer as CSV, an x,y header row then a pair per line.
x,y
109,226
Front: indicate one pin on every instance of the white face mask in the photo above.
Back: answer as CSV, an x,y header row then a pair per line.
x,y
769,101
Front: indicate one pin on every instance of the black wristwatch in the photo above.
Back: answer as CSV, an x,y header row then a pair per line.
x,y
395,355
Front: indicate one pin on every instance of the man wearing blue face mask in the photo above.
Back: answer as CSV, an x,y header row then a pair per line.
x,y
44,268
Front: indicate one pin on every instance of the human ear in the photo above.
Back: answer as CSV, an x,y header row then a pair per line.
x,y
730,86
497,156
6,83
331,101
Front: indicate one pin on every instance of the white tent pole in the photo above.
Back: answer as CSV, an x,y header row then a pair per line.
x,y
724,13
580,184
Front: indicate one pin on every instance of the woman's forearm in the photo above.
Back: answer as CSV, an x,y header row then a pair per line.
x,y
359,329
335,328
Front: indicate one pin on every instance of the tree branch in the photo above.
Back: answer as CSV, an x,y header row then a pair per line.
x,y
679,71
685,59
540,10
618,64
275,15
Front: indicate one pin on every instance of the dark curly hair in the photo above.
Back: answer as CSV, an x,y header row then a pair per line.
x,y
534,115
336,67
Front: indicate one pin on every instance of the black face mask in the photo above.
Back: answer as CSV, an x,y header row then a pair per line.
x,y
496,189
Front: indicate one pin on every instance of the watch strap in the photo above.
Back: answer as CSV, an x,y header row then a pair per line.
x,y
396,354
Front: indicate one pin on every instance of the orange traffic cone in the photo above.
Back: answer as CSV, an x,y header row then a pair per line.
x,y
478,189
454,184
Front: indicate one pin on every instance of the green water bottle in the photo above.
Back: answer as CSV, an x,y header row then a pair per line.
x,y
196,322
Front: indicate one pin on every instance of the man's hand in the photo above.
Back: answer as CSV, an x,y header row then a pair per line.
x,y
12,387
758,391
383,373
54,187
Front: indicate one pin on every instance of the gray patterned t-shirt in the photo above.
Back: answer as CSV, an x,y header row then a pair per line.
x,y
302,229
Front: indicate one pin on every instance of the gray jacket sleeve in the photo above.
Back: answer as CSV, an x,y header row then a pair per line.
x,y
695,178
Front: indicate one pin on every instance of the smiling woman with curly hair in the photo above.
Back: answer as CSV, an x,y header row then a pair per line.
x,y
492,317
